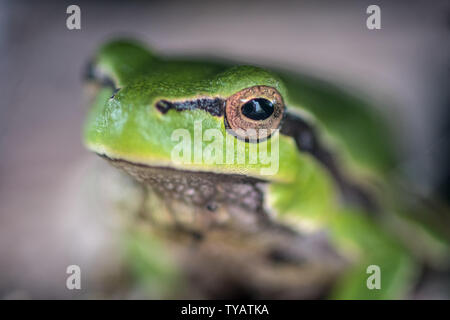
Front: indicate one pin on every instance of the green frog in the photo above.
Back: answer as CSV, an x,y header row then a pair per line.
x,y
254,183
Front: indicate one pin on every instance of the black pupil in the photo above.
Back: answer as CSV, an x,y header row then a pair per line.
x,y
258,109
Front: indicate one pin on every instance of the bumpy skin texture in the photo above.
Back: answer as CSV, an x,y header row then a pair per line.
x,y
128,127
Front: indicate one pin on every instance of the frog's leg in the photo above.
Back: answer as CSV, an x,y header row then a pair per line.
x,y
369,245
325,198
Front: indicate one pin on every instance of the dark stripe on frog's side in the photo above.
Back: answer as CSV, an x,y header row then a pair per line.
x,y
215,106
307,140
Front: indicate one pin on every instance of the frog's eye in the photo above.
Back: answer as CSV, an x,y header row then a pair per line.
x,y
253,113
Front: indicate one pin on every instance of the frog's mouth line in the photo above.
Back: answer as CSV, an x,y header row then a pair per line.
x,y
351,192
201,188
181,171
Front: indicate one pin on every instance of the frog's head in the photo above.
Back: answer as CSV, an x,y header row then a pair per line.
x,y
189,115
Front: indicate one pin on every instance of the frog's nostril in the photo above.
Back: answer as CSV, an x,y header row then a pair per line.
x,y
93,73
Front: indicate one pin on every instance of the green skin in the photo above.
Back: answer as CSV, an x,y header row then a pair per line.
x,y
302,192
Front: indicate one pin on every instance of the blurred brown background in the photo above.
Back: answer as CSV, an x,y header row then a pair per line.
x,y
402,68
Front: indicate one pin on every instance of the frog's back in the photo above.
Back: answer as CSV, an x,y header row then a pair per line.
x,y
361,130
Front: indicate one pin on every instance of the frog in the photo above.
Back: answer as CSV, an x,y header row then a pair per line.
x,y
313,220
